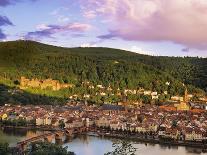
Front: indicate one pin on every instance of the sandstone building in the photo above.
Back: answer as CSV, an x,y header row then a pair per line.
x,y
43,84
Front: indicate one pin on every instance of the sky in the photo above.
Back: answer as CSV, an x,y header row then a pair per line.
x,y
153,27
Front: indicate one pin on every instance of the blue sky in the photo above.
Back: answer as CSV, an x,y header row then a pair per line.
x,y
153,29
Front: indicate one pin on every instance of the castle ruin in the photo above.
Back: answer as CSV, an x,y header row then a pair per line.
x,y
43,84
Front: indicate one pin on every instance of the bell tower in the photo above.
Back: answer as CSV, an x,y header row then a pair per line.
x,y
186,95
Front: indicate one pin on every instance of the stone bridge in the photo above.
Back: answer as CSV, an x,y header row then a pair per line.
x,y
49,137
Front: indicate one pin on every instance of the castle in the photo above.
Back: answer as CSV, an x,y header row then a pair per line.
x,y
43,84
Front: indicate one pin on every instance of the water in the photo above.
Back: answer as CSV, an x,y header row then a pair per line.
x,y
88,145
12,136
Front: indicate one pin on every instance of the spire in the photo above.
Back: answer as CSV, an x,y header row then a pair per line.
x,y
186,95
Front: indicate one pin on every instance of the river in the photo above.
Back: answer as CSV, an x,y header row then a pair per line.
x,y
89,145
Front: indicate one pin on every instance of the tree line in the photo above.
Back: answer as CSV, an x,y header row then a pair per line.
x,y
109,67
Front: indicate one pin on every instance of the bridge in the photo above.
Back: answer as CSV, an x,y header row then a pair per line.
x,y
48,137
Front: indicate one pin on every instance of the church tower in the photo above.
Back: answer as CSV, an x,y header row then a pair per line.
x,y
186,95
183,106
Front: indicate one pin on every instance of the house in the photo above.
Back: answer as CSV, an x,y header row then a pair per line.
x,y
78,123
132,127
91,87
102,122
128,91
114,125
39,121
155,97
147,92
167,83
89,122
193,134
172,133
47,121
86,96
190,96
154,93
177,98
153,127
103,94
109,88
69,123
29,118
55,122
100,86
140,128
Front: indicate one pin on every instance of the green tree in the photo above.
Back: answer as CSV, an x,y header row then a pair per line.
x,y
174,123
122,148
4,149
42,148
61,124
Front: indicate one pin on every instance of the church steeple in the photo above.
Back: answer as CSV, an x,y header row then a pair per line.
x,y
184,105
186,95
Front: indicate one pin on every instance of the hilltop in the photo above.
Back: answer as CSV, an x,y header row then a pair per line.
x,y
105,66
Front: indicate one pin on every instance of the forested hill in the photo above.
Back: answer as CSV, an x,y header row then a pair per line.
x,y
105,66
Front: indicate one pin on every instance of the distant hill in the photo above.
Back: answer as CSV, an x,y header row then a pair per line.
x,y
106,66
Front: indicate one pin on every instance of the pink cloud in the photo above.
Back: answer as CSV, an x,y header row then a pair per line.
x,y
49,30
89,14
179,21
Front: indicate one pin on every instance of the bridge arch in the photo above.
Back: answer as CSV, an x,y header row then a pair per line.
x,y
59,135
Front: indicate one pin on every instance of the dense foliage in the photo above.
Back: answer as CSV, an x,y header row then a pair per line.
x,y
104,66
38,148
12,95
117,68
122,148
43,148
15,122
4,149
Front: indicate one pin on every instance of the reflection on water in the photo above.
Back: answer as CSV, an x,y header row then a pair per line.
x,y
12,136
88,145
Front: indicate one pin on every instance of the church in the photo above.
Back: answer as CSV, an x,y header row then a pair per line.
x,y
183,106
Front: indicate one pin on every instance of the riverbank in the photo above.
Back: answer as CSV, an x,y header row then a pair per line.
x,y
30,128
95,145
152,141
123,136
98,144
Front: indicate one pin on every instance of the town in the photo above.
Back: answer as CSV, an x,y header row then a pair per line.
x,y
99,93
179,120
103,77
181,123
